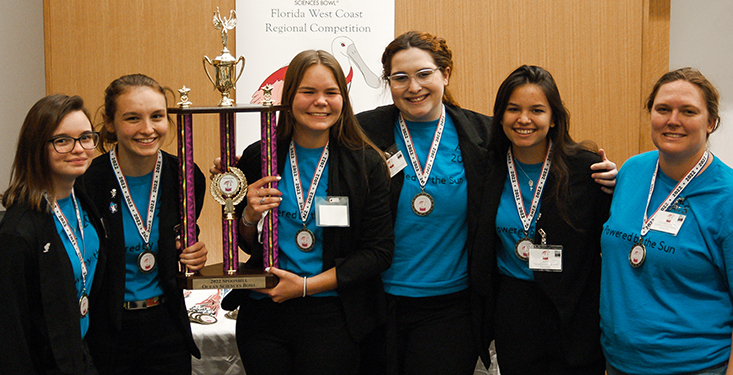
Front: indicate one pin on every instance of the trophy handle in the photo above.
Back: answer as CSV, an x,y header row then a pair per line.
x,y
204,61
241,70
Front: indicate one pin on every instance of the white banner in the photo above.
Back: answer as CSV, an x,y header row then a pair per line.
x,y
270,33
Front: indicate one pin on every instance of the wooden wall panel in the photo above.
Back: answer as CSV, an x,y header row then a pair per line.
x,y
605,55
598,52
91,43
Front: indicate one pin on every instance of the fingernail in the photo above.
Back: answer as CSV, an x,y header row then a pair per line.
x,y
267,269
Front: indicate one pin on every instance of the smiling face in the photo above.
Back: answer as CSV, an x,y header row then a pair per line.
x,y
418,102
67,167
316,106
140,124
526,122
680,121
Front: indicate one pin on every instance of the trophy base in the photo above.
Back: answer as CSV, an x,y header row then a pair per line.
x,y
214,277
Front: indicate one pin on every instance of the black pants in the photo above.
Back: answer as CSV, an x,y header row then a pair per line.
x,y
89,368
151,344
528,337
430,335
299,336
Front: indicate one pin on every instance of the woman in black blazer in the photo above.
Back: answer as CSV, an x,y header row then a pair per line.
x,y
541,191
330,295
145,326
51,244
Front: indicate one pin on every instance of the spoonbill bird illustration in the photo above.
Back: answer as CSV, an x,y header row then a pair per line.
x,y
345,52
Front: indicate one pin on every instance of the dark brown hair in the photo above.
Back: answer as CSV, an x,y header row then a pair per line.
x,y
113,92
437,48
346,131
30,177
562,144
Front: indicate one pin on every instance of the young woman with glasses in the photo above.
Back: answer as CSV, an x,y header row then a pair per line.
x,y
51,241
145,327
438,154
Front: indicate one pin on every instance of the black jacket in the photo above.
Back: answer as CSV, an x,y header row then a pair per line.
x,y
99,180
575,292
39,328
473,138
360,252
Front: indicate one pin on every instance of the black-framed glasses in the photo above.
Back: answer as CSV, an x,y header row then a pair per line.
x,y
422,76
64,144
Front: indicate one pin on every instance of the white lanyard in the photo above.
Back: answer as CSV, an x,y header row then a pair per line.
x,y
527,218
143,228
672,195
305,206
70,234
422,177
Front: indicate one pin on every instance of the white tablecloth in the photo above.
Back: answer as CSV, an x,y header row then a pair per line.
x,y
216,341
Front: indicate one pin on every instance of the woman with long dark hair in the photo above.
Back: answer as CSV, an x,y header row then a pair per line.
x,y
545,223
330,295
51,244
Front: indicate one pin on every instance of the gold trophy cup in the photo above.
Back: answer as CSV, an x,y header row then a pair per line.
x,y
225,65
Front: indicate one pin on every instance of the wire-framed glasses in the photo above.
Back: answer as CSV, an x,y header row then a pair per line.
x,y
63,144
422,77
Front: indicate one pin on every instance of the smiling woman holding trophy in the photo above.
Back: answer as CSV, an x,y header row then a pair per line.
x,y
335,232
145,327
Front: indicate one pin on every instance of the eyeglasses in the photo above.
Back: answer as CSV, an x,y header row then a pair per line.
x,y
64,144
402,80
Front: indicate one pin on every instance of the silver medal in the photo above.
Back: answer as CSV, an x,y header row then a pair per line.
x,y
637,255
422,204
146,261
84,305
522,248
305,240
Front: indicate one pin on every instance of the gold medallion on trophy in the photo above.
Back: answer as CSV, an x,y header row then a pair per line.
x,y
229,189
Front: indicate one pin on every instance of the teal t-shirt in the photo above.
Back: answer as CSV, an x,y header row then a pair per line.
x,y
430,255
674,313
138,284
289,222
89,247
509,226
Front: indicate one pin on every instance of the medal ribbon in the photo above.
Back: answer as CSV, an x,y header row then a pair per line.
x,y
422,177
523,216
143,228
672,195
305,206
70,234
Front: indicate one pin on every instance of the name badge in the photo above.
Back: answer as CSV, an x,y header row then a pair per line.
x,y
547,258
332,211
668,222
395,161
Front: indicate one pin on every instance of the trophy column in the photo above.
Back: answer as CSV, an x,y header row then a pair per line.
x,y
229,188
269,168
229,226
186,183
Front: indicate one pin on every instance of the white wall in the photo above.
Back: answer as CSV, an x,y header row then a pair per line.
x,y
22,73
701,36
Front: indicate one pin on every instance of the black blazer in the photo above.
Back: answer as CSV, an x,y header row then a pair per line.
x,y
99,180
360,252
575,292
40,331
473,137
